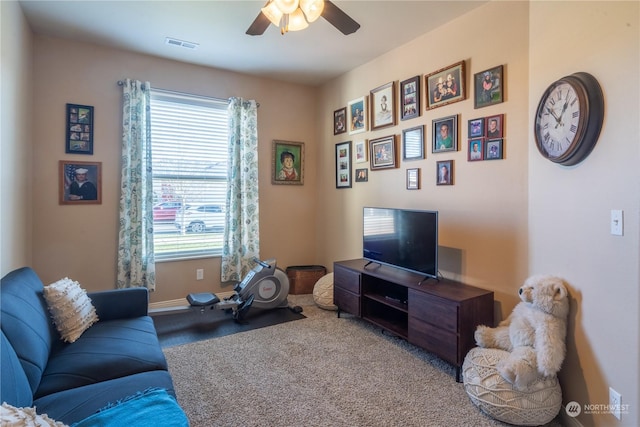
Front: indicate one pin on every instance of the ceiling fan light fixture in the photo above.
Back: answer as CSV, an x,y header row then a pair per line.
x,y
286,6
312,9
273,13
297,21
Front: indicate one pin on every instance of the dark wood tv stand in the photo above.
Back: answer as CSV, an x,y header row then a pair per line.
x,y
439,316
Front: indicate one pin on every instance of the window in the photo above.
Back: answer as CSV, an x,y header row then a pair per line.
x,y
189,158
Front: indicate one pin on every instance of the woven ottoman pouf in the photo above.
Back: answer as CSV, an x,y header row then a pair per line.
x,y
323,292
496,397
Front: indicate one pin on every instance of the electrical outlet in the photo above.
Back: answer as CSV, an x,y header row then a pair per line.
x,y
615,402
199,274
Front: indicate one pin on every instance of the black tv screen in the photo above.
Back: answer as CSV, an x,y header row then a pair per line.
x,y
402,238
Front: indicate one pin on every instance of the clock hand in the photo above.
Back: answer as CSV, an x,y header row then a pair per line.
x,y
553,113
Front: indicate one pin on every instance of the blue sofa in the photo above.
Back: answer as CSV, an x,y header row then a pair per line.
x,y
115,358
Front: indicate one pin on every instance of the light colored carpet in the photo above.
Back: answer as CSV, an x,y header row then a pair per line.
x,y
319,371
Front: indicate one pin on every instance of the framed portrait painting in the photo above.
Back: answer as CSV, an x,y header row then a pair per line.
x,y
488,87
445,134
410,98
382,152
476,128
495,126
79,123
362,175
383,106
476,149
340,121
357,115
287,162
445,86
343,165
80,183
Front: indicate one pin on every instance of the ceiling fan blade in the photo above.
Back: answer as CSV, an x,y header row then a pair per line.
x,y
339,19
259,26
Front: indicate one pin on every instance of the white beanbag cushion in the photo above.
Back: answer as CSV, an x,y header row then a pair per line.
x,y
70,308
496,397
323,292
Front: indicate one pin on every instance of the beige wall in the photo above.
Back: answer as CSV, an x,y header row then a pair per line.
x,y
80,241
483,217
569,207
15,146
504,220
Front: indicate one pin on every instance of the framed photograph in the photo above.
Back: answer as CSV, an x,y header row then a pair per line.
x,y
360,151
445,86
357,115
79,129
476,128
362,175
287,162
413,143
382,152
80,183
493,149
476,149
488,87
445,134
343,165
413,179
340,121
410,98
383,106
495,126
444,172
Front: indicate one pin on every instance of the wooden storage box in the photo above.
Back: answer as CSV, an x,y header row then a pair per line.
x,y
302,278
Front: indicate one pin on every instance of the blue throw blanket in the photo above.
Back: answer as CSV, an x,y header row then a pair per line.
x,y
153,408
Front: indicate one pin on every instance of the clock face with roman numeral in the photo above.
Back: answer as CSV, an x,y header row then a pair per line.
x,y
569,119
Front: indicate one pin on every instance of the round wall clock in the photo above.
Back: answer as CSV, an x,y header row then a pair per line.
x,y
569,119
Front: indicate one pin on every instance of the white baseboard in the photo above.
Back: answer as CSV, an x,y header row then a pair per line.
x,y
179,304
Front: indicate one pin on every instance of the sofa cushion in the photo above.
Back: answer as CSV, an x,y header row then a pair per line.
x,y
26,322
25,417
107,350
71,406
14,387
70,308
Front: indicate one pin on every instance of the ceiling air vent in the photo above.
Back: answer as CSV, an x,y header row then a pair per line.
x,y
181,43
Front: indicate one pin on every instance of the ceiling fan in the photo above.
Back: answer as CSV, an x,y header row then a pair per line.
x,y
293,15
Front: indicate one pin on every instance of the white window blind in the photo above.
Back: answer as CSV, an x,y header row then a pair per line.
x,y
189,137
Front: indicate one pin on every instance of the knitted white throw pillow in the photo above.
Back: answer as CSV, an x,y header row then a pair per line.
x,y
70,308
25,417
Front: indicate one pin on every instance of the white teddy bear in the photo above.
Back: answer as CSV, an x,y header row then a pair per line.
x,y
534,333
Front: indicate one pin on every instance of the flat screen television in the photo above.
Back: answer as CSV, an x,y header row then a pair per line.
x,y
402,238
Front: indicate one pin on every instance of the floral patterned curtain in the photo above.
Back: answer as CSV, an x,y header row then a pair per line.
x,y
242,231
136,263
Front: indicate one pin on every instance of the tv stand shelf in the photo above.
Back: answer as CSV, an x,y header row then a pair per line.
x,y
439,316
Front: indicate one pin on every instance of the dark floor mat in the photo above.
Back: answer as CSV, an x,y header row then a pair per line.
x,y
191,325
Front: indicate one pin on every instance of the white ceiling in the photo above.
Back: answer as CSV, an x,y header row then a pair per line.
x,y
312,56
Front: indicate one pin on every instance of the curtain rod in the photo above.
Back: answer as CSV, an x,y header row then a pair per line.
x,y
121,83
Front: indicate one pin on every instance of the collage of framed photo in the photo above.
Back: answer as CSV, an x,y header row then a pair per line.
x,y
410,98
483,130
386,104
343,165
79,129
